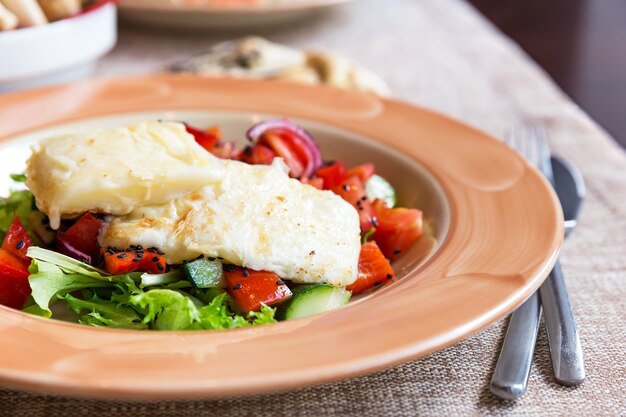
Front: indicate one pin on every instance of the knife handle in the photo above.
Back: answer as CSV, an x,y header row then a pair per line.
x,y
510,377
563,339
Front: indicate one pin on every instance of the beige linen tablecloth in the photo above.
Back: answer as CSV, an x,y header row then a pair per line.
x,y
439,54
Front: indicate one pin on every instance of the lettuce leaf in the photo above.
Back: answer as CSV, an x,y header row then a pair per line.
x,y
20,203
18,177
49,282
124,301
104,313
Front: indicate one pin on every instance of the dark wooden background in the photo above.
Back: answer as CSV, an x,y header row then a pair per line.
x,y
580,43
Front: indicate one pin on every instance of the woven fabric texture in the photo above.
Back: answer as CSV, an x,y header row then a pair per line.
x,y
443,55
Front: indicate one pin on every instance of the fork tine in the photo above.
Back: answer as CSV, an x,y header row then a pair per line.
x,y
527,141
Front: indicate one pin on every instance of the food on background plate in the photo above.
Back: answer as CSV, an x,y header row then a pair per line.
x,y
165,226
26,13
256,57
8,20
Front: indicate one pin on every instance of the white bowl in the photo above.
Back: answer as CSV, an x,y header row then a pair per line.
x,y
57,52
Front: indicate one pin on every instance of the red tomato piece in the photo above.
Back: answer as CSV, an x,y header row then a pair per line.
x,y
205,138
82,237
353,191
397,228
314,182
374,269
17,240
14,286
279,144
134,260
332,174
257,155
225,150
295,146
364,172
250,288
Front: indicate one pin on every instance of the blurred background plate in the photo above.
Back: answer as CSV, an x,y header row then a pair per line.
x,y
216,14
59,51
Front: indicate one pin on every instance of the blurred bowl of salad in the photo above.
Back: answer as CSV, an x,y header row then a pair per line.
x,y
220,14
45,42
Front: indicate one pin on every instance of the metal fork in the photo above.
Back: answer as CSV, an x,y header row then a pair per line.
x,y
510,378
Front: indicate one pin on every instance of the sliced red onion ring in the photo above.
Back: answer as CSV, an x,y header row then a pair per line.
x,y
301,138
67,249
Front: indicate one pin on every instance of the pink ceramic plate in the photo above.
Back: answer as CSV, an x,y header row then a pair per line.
x,y
497,224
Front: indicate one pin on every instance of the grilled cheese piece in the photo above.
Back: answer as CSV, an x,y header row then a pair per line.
x,y
115,171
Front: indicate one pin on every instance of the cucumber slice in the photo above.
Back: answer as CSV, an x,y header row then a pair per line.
x,y
311,299
378,187
204,273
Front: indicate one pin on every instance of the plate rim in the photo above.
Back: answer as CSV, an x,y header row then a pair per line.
x,y
110,91
210,7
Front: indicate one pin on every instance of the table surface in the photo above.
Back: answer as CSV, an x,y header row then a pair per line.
x,y
443,55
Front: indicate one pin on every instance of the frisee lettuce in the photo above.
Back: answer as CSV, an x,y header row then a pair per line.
x,y
18,203
131,301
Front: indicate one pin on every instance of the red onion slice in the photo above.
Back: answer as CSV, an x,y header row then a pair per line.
x,y
300,139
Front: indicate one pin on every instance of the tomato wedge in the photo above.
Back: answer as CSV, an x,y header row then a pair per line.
x,y
205,138
81,238
278,141
364,172
353,191
250,288
332,174
257,155
374,269
397,228
17,240
14,286
135,258
314,182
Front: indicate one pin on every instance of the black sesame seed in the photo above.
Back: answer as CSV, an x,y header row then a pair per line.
x,y
111,250
389,276
155,259
364,198
246,273
237,286
211,259
137,260
280,282
396,251
122,255
374,222
346,187
229,267
160,267
19,245
139,247
200,257
160,252
140,254
153,250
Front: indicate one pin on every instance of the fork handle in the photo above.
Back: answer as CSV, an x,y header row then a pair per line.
x,y
563,339
510,377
